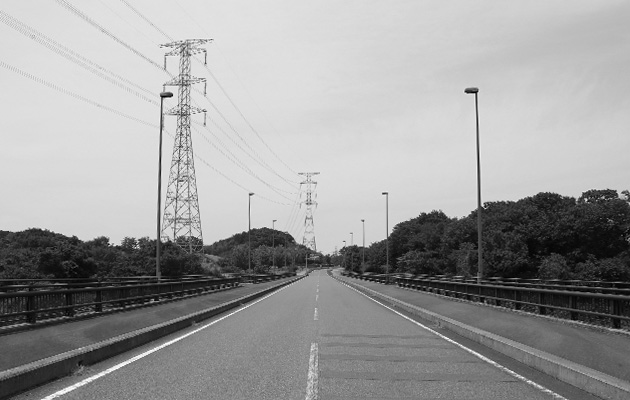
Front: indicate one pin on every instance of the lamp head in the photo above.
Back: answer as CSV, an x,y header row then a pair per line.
x,y
385,193
166,94
471,90
251,194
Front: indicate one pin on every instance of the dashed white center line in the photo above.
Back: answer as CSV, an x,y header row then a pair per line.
x,y
315,316
313,372
316,297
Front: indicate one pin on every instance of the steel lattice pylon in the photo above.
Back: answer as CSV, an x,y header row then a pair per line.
x,y
182,219
308,239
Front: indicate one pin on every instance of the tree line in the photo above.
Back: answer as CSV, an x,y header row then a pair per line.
x,y
547,236
37,254
267,247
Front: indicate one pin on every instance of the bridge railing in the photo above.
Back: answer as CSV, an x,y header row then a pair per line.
x,y
258,278
607,305
594,308
36,304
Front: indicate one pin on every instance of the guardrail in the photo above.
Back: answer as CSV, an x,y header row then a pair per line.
x,y
606,307
258,278
34,304
594,308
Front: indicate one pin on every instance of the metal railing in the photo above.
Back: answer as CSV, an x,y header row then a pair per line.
x,y
37,303
258,278
603,306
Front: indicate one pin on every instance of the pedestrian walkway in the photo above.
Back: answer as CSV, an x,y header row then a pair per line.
x,y
28,346
600,349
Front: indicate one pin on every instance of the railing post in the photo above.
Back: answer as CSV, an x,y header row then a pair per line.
x,y
573,306
31,317
517,299
541,301
98,307
69,303
615,308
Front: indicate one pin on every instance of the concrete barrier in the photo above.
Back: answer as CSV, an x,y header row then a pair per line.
x,y
27,376
587,379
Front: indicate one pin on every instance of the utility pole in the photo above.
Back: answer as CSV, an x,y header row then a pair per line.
x,y
182,219
309,228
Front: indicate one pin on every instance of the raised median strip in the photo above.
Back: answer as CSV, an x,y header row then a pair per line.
x,y
587,379
24,377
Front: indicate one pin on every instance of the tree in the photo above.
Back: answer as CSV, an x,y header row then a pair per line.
x,y
554,266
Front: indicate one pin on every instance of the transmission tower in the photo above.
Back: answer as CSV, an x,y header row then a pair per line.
x,y
182,220
309,228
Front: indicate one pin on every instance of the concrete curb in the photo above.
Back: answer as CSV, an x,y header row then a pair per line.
x,y
22,378
587,379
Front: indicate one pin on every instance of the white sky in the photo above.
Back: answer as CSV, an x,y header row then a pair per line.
x,y
368,93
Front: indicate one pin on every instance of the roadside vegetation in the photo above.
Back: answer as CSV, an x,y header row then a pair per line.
x,y
39,254
546,236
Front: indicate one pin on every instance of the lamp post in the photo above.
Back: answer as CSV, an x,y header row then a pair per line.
x,y
273,244
285,249
363,255
249,233
386,194
158,274
474,90
344,254
351,256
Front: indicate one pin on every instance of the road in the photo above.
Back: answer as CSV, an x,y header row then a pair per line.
x,y
314,339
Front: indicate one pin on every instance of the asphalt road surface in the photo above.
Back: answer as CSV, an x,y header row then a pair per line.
x,y
314,339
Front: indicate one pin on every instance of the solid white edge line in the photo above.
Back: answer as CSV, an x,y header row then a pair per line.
x,y
313,374
478,355
315,316
153,350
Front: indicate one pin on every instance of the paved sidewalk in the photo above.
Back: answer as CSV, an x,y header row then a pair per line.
x,y
602,350
24,347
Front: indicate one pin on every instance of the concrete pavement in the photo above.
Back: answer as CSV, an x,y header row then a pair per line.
x,y
594,359
314,339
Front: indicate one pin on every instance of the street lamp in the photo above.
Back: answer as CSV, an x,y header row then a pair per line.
x,y
351,255
344,254
363,256
273,244
474,90
158,274
386,194
249,234
285,248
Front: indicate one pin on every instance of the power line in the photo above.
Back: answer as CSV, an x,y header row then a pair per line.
x,y
96,25
72,56
232,158
238,110
119,113
258,159
72,94
147,20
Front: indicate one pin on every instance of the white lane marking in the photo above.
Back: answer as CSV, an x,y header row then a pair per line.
x,y
315,316
474,353
316,297
313,374
153,350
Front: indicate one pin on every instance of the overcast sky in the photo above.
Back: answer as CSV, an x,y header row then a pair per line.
x,y
368,93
